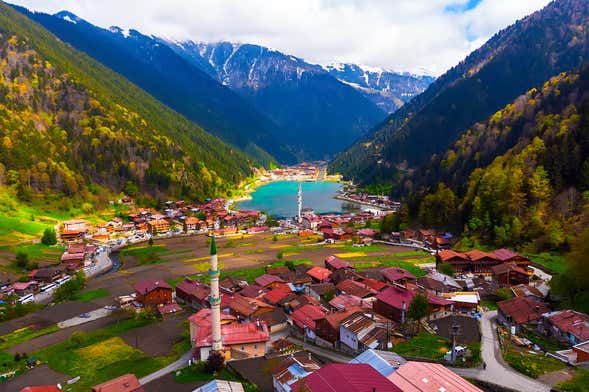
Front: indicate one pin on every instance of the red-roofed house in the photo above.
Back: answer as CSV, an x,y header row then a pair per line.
x,y
124,383
520,310
347,301
507,274
393,303
429,377
349,377
334,263
398,275
248,308
328,327
267,281
153,292
275,295
481,262
319,274
193,293
355,288
508,256
305,318
459,261
42,388
566,325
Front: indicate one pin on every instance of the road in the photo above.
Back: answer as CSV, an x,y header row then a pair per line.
x,y
322,352
92,315
496,371
179,364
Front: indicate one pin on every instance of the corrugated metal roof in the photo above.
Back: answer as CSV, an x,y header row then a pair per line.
x,y
429,377
384,362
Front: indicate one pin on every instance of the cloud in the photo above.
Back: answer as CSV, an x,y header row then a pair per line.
x,y
405,35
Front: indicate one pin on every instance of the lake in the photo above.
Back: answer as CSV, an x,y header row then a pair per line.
x,y
279,199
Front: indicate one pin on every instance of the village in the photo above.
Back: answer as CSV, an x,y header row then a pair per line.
x,y
324,300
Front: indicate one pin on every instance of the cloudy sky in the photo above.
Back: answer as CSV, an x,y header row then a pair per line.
x,y
421,36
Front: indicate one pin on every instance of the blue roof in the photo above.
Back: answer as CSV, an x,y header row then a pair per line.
x,y
384,362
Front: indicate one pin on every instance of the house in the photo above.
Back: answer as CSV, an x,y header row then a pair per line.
x,y
153,292
349,377
428,377
166,309
568,326
220,386
393,303
319,274
508,256
275,295
291,370
24,288
48,275
582,352
276,320
124,383
433,285
252,291
328,328
463,301
334,263
523,290
318,290
192,224
346,301
158,226
507,274
384,362
42,388
442,243
75,225
193,293
268,281
240,340
397,275
232,284
360,331
355,288
305,319
481,262
459,261
519,311
245,308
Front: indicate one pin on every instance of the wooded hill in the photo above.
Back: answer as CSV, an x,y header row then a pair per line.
x,y
69,126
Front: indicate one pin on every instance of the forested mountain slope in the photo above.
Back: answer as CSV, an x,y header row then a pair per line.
x,y
171,79
69,126
523,55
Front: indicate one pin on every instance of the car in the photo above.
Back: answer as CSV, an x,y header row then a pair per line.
x,y
85,315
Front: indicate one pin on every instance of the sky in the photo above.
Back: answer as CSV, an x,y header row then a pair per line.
x,y
418,36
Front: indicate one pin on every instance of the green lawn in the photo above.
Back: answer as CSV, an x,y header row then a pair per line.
x,y
89,295
197,372
150,254
362,263
545,343
532,365
554,263
22,335
487,303
579,383
424,345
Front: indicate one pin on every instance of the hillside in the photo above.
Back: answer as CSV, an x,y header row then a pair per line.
x,y
317,115
510,63
171,79
71,127
388,90
518,177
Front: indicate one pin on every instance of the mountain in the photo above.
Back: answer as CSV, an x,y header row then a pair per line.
x,y
514,60
317,115
71,127
171,79
519,176
388,90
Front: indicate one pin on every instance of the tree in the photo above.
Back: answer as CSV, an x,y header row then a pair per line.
x,y
418,308
328,296
49,236
150,242
215,362
446,269
503,293
280,255
22,259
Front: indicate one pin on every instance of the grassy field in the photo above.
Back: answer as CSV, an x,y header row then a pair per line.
x,y
554,263
487,303
154,254
532,365
410,265
89,295
424,345
579,383
197,372
22,335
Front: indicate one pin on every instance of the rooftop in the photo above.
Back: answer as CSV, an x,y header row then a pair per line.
x,y
522,309
429,377
384,362
149,285
395,297
319,273
395,273
124,383
337,263
349,377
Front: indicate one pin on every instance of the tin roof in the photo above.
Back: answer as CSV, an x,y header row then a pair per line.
x,y
384,362
319,273
149,285
429,377
350,377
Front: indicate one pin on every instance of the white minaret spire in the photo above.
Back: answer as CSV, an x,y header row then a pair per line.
x,y
300,201
215,298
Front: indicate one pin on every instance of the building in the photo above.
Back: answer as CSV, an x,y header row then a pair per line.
x,y
384,362
355,288
48,275
124,383
305,319
476,262
291,370
42,388
221,386
319,274
429,377
508,256
463,301
393,303
268,281
334,263
582,352
232,284
568,326
508,275
193,293
192,224
153,292
361,331
522,290
248,309
276,320
328,328
318,290
397,275
158,226
349,377
519,311
75,225
346,301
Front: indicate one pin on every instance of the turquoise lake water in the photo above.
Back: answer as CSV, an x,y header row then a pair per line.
x,y
279,199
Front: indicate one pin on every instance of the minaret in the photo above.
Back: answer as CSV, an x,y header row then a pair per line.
x,y
300,200
215,298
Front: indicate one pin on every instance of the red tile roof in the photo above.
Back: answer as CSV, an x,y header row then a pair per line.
x,y
352,287
319,273
148,285
42,388
394,296
574,323
247,306
251,291
429,377
275,295
505,254
125,383
349,377
395,273
346,301
195,288
169,308
448,254
337,263
307,315
266,280
233,334
374,284
522,309
476,254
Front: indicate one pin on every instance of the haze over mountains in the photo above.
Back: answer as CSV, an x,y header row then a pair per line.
x,y
266,103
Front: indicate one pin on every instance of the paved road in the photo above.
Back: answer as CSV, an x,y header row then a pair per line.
x,y
179,364
322,352
92,315
497,372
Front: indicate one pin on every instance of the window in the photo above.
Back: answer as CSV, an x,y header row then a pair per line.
x,y
242,348
255,346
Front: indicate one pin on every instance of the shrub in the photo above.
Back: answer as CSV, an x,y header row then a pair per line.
x,y
22,259
446,269
215,362
49,237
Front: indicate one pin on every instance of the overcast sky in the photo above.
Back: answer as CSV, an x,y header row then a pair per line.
x,y
406,35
